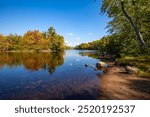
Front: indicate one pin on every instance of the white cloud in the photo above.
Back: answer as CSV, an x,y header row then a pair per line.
x,y
76,44
77,38
71,41
70,34
66,41
91,33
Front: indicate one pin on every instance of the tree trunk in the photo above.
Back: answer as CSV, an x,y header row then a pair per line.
x,y
138,34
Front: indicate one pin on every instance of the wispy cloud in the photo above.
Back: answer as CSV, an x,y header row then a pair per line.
x,y
77,38
70,34
91,33
66,41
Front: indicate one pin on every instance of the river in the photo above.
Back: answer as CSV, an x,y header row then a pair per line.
x,y
49,76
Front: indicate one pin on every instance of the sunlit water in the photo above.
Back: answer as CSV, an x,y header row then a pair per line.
x,y
55,75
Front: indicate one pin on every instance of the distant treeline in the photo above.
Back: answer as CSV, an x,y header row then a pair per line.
x,y
129,28
33,41
118,45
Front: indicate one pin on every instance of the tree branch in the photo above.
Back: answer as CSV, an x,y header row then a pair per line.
x,y
139,36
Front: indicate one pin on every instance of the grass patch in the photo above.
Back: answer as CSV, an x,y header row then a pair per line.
x,y
141,62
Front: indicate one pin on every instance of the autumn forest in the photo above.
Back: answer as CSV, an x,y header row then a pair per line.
x,y
32,41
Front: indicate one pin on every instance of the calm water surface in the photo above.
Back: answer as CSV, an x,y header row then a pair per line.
x,y
56,75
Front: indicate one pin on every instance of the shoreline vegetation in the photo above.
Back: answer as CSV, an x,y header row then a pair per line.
x,y
26,51
128,47
29,51
33,41
128,42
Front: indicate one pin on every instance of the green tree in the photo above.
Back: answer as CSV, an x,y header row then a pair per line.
x,y
4,44
14,41
32,40
116,9
56,41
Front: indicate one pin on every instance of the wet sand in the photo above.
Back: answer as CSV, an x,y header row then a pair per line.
x,y
116,84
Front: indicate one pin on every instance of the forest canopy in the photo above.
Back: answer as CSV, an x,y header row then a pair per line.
x,y
32,41
129,28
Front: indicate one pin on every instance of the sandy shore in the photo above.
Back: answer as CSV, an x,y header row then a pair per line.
x,y
116,84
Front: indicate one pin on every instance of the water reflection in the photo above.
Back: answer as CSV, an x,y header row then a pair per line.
x,y
90,53
33,61
56,75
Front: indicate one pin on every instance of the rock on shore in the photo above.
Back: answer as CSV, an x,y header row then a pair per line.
x,y
100,65
132,70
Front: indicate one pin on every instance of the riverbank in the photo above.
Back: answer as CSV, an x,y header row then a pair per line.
x,y
29,51
141,62
116,83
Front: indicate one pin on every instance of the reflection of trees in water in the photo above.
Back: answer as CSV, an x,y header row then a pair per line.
x,y
92,54
33,61
55,59
9,59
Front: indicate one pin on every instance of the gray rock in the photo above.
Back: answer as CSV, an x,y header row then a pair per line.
x,y
132,70
100,65
95,69
86,65
92,66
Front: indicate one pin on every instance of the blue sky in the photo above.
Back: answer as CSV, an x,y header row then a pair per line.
x,y
77,20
